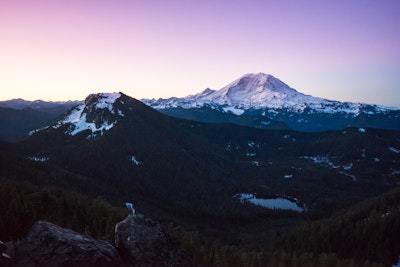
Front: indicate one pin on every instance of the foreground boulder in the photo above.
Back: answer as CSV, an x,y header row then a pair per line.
x,y
138,242
50,245
143,242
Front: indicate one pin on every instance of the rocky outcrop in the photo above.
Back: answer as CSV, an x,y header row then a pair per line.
x,y
138,242
144,242
50,245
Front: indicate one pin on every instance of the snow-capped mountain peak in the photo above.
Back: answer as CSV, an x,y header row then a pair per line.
x,y
251,91
259,98
255,90
256,82
102,100
96,114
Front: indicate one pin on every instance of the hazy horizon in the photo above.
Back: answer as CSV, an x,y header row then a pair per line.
x,y
59,51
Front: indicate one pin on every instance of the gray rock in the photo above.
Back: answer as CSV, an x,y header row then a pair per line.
x,y
144,242
53,246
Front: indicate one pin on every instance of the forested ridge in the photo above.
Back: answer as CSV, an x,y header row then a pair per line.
x,y
22,204
368,231
363,235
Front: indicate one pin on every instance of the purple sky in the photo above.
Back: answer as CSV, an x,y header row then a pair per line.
x,y
59,50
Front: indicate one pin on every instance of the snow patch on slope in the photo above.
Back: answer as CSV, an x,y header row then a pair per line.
x,y
107,101
135,161
78,116
234,110
39,159
324,160
321,160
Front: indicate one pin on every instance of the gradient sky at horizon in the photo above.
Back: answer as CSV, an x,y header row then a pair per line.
x,y
63,50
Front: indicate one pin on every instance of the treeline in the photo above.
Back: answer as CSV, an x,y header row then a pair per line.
x,y
22,204
369,231
209,253
364,235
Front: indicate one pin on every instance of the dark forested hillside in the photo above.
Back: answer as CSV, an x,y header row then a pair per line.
x,y
363,235
22,204
189,172
368,231
194,169
18,117
16,124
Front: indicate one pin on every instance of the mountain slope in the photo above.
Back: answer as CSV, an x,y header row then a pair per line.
x,y
15,124
172,164
116,147
264,95
369,226
143,152
19,116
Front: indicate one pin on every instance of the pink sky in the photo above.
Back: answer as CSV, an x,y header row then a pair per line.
x,y
59,50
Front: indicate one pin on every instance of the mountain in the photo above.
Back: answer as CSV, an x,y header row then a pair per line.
x,y
19,116
131,149
259,99
214,179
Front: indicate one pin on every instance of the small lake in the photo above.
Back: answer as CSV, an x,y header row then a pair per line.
x,y
277,202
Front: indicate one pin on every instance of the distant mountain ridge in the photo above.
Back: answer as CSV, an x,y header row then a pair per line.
x,y
255,95
41,105
255,100
18,116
